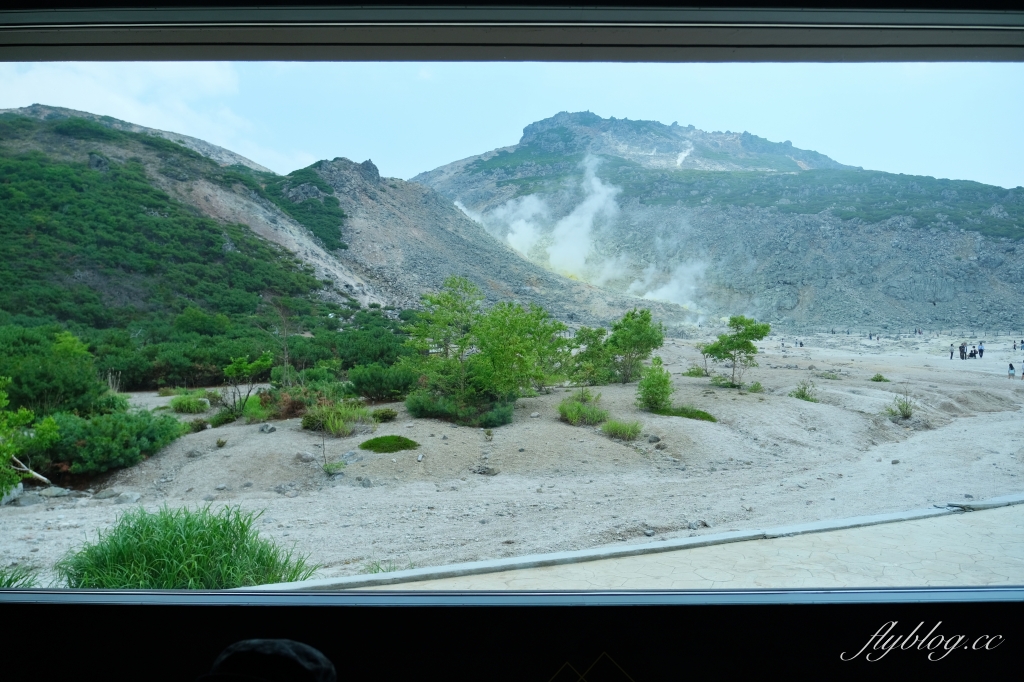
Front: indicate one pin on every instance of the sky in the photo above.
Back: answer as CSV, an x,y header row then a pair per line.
x,y
948,120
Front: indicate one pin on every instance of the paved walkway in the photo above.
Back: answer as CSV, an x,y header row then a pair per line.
x,y
974,548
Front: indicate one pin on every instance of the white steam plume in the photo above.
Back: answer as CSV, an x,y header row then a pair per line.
x,y
572,237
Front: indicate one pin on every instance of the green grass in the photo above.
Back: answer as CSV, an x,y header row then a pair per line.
x,y
723,382
225,416
181,549
688,412
385,566
17,577
621,430
188,404
878,377
755,387
830,375
389,444
576,413
254,412
695,371
804,391
384,414
334,467
337,420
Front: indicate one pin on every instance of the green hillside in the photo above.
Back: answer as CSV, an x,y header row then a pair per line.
x,y
160,293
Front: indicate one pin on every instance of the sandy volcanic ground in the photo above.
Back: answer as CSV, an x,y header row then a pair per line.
x,y
770,459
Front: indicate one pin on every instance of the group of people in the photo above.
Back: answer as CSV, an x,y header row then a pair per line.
x,y
976,352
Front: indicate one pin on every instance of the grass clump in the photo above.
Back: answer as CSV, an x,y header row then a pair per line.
x,y
830,375
621,430
333,467
695,371
686,411
225,416
385,566
181,549
384,414
723,382
257,408
581,408
804,391
221,442
189,404
17,578
383,444
902,406
339,419
197,425
755,387
879,378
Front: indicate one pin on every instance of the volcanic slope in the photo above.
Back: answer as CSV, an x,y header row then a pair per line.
x,y
727,223
373,239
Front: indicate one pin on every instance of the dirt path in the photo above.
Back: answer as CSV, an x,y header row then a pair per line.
x,y
770,459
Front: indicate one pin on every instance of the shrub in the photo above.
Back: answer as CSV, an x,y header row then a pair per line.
x,y
181,549
686,411
214,397
755,387
257,409
110,403
166,391
381,383
621,430
723,382
333,467
804,391
575,412
111,441
902,406
17,578
878,377
654,390
499,415
383,444
695,371
426,405
188,404
830,375
197,425
221,442
384,414
225,416
336,420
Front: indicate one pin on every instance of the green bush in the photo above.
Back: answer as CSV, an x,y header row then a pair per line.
x,y
225,416
257,409
695,371
755,387
181,550
576,412
17,578
830,375
425,405
111,441
621,430
804,391
51,370
384,414
188,404
337,420
686,411
381,383
499,415
902,406
654,390
878,377
383,444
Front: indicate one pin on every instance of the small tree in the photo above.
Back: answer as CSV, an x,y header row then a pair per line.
x,y
591,365
738,347
654,392
243,374
14,436
632,341
518,348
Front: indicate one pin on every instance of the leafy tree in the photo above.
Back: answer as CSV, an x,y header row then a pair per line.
x,y
243,374
654,392
591,365
632,341
738,348
518,348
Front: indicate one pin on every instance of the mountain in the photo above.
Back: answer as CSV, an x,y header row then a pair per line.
x,y
357,237
727,223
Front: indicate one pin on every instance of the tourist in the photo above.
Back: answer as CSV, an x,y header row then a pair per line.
x,y
1010,375
981,350
950,351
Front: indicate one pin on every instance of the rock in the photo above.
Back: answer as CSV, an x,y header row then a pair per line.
x,y
194,453
444,437
267,428
534,415
106,494
220,487
80,493
811,367
14,494
305,457
660,446
28,499
366,482
696,525
247,484
969,497
420,458
127,498
54,491
209,498
653,439
409,426
649,533
292,493
522,449
895,461
485,470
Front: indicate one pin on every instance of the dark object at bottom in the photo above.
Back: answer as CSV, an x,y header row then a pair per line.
x,y
271,660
